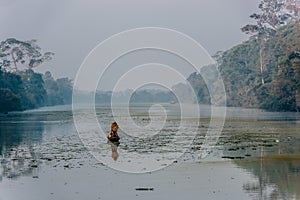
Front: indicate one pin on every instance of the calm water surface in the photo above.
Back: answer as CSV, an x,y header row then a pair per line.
x,y
260,152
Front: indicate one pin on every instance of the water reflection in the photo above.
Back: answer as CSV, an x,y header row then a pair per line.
x,y
21,133
269,147
270,151
278,177
114,150
17,139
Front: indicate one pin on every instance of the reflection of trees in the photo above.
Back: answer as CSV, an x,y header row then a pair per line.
x,y
14,165
17,137
276,167
278,177
270,152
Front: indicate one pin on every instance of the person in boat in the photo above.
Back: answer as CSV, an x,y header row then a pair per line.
x,y
113,135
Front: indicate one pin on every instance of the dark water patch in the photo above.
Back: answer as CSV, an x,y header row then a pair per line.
x,y
144,189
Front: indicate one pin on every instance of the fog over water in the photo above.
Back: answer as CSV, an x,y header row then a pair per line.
x,y
71,29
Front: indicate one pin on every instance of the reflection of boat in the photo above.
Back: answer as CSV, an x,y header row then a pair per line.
x,y
116,143
114,150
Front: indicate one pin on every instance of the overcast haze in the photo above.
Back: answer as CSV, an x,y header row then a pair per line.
x,y
71,28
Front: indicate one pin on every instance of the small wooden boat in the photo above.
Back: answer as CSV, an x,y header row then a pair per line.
x,y
112,138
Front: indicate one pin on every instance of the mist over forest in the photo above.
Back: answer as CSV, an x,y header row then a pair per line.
x,y
262,72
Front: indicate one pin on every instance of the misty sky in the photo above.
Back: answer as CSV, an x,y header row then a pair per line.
x,y
71,29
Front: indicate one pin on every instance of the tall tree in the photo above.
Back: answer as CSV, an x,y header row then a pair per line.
x,y
293,7
16,53
54,96
272,15
34,89
65,87
10,91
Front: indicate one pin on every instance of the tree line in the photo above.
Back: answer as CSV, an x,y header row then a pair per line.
x,y
21,87
264,71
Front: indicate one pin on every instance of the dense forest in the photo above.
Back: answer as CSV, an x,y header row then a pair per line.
x,y
281,72
20,87
264,71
